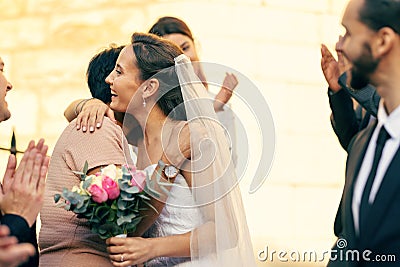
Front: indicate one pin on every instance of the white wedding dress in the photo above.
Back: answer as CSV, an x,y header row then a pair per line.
x,y
178,216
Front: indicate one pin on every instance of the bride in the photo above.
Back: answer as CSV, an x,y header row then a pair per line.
x,y
202,222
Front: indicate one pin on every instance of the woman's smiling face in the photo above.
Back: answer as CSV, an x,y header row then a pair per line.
x,y
124,81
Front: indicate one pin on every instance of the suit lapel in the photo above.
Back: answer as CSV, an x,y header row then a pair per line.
x,y
354,161
389,187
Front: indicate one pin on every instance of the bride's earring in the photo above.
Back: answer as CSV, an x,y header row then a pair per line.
x,y
144,102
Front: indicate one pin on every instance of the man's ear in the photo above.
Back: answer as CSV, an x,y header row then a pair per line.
x,y
150,88
385,41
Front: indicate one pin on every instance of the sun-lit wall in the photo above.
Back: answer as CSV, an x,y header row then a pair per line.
x,y
46,45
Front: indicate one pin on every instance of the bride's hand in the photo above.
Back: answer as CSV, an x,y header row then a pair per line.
x,y
92,114
130,251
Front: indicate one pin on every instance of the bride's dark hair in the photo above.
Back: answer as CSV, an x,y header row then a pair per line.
x,y
155,59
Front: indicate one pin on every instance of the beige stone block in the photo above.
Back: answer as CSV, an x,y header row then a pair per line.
x,y
51,6
310,103
337,6
315,209
76,30
330,30
52,128
96,26
53,111
267,24
302,160
23,33
24,109
58,100
269,212
320,6
43,6
289,63
12,9
52,66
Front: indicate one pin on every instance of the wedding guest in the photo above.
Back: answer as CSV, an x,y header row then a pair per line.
x,y
99,67
12,253
367,218
21,195
64,239
177,31
105,146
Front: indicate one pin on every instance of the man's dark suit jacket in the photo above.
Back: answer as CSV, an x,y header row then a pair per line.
x,y
382,233
20,229
345,122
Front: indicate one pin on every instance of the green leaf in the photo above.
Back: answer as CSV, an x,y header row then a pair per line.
x,y
114,205
132,190
67,206
111,216
87,183
121,204
101,212
57,197
81,207
125,219
127,196
85,169
143,196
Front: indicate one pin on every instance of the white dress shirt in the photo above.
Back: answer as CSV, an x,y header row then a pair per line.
x,y
392,126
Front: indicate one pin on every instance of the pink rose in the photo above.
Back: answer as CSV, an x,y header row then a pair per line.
x,y
138,179
99,195
111,187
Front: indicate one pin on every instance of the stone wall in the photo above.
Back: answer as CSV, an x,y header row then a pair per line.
x,y
47,44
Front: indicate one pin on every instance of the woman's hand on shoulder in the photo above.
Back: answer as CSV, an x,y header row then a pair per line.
x,y
92,114
177,149
184,141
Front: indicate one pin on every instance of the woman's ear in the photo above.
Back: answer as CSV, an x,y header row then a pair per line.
x,y
150,87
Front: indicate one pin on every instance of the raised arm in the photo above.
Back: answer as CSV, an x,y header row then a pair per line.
x,y
343,117
225,93
89,113
71,111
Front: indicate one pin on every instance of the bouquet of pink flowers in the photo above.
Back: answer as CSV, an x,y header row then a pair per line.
x,y
111,200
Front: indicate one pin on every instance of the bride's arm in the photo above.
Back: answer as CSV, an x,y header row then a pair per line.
x,y
149,215
175,153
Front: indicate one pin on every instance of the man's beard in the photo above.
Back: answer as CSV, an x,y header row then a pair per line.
x,y
362,68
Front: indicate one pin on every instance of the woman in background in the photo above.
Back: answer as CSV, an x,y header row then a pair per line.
x,y
177,31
